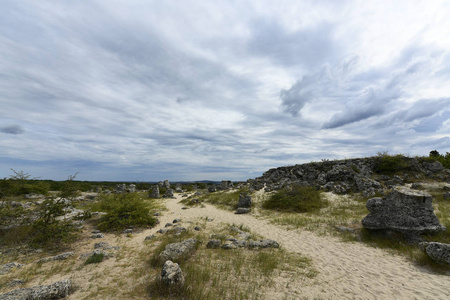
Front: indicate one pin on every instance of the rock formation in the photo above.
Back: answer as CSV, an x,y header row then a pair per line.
x,y
438,252
171,274
245,201
175,251
407,211
57,290
154,192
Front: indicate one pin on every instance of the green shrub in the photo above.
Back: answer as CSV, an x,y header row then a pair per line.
x,y
95,258
390,164
298,199
124,211
47,230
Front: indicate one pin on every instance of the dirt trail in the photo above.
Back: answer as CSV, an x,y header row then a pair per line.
x,y
347,270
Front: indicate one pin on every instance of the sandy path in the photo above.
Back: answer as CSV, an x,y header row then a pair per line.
x,y
347,270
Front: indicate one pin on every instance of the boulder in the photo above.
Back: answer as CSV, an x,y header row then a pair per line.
x,y
213,244
433,166
171,274
169,193
407,211
57,290
154,192
242,210
438,252
245,201
176,251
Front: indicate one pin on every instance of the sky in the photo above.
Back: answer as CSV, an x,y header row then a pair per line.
x,y
217,90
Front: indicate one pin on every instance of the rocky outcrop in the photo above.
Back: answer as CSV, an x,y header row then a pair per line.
x,y
244,201
438,252
407,211
154,192
57,290
62,256
176,251
171,274
6,268
349,175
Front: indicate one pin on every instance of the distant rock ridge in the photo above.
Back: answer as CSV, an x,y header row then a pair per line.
x,y
350,175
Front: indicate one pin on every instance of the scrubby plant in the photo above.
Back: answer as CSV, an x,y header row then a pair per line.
x,y
48,230
124,211
95,258
390,164
296,199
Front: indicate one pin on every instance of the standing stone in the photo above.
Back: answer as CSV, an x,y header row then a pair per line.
x,y
178,188
120,188
132,188
154,192
167,184
225,184
171,274
211,188
407,211
245,201
438,252
169,193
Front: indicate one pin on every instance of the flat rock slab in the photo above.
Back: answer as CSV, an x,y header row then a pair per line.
x,y
403,210
57,290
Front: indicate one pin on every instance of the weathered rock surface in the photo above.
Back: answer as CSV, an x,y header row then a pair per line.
x,y
242,210
176,251
154,192
438,252
244,201
213,244
62,256
171,274
6,268
343,176
407,211
57,290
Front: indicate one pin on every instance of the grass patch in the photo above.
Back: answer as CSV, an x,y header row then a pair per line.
x,y
223,199
297,199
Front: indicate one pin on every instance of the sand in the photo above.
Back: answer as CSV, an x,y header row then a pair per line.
x,y
346,270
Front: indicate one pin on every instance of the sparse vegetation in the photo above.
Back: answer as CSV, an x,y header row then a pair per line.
x,y
390,164
297,199
95,258
124,211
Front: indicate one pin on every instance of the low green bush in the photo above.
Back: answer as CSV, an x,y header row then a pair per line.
x,y
390,164
297,199
124,211
95,258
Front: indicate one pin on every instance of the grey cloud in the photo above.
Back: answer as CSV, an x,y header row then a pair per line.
x,y
309,46
12,129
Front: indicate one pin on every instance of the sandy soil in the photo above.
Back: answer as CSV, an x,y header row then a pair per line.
x,y
347,270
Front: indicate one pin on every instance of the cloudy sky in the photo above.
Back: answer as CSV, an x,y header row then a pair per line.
x,y
191,90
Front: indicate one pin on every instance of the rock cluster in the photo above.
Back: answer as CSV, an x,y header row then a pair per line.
x,y
407,211
343,176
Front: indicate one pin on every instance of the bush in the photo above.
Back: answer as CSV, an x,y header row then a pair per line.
x,y
124,211
298,199
95,258
47,230
390,164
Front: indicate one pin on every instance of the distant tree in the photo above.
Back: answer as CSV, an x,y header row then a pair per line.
x,y
434,153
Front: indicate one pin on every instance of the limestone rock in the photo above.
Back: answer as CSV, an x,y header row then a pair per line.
x,y
438,252
242,210
6,268
154,193
57,290
213,244
62,256
403,210
176,251
245,201
171,274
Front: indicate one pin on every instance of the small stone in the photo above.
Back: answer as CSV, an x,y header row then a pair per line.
x,y
176,221
162,230
241,211
126,231
101,245
150,237
213,244
168,225
97,236
197,228
96,231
